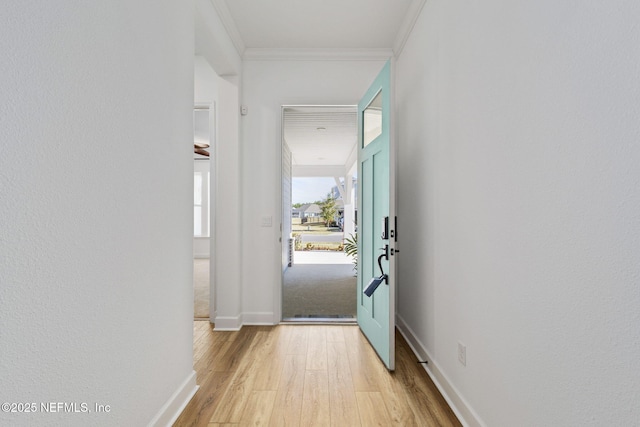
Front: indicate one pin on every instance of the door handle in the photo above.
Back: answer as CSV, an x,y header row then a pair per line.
x,y
386,253
377,281
382,274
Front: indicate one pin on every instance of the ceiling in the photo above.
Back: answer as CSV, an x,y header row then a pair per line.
x,y
315,24
322,139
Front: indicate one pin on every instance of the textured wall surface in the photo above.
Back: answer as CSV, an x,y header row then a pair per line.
x,y
519,142
95,208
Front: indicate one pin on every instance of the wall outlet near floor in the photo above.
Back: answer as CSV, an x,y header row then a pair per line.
x,y
462,353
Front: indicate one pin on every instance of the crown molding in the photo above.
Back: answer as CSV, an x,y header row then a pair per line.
x,y
260,54
407,25
229,25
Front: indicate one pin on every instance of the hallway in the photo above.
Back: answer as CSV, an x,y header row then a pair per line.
x,y
298,375
516,131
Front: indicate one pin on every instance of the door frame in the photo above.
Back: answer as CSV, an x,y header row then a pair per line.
x,y
213,179
283,240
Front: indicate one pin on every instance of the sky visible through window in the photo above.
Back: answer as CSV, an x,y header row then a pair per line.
x,y
308,190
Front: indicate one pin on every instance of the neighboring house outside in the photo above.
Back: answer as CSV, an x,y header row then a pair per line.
x,y
309,212
306,211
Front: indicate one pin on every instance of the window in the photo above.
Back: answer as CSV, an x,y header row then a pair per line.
x,y
201,217
372,120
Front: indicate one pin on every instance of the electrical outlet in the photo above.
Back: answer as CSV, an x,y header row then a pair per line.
x,y
462,353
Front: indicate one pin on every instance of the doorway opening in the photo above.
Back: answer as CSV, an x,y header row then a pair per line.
x,y
202,186
319,182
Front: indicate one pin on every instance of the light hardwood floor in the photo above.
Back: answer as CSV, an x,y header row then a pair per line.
x,y
307,375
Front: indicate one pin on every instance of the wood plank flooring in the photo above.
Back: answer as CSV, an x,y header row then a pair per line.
x,y
307,375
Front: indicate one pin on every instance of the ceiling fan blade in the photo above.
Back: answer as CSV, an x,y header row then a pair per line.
x,y
201,145
201,151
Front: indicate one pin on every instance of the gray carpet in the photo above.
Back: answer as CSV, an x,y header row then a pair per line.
x,y
201,288
319,290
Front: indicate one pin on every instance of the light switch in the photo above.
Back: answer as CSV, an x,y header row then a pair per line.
x,y
266,221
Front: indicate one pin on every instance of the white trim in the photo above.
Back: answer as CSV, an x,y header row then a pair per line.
x,y
407,25
172,409
263,54
229,24
212,189
278,287
340,187
228,323
236,323
352,160
393,208
264,318
465,413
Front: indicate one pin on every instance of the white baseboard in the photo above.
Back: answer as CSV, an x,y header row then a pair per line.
x,y
232,323
458,404
235,323
172,409
259,319
203,255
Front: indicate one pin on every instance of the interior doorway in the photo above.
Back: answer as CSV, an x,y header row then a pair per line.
x,y
319,181
202,197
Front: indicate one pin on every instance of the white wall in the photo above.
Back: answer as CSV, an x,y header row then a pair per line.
x,y
267,85
95,250
217,81
519,200
228,224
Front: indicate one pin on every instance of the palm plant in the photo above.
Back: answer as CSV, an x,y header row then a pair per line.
x,y
351,249
328,210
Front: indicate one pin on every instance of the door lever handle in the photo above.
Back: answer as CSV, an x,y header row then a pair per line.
x,y
376,281
383,276
386,252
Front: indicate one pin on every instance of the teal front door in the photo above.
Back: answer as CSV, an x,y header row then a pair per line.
x,y
376,218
